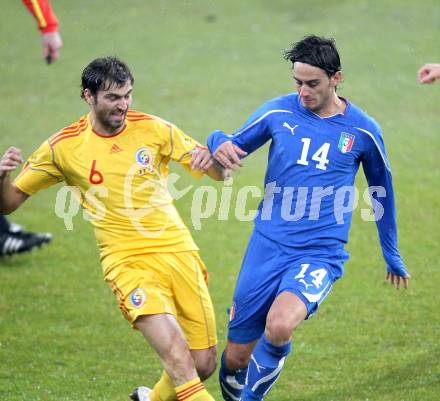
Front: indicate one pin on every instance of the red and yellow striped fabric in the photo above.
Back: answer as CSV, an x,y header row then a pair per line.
x,y
70,131
191,390
43,13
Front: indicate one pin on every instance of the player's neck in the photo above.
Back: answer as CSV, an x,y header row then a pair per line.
x,y
103,129
336,105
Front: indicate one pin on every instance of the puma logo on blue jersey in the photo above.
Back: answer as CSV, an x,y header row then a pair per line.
x,y
286,125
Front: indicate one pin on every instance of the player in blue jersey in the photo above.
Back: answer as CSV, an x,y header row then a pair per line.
x,y
296,251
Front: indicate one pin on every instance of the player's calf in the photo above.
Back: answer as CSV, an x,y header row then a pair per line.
x,y
231,381
264,368
205,361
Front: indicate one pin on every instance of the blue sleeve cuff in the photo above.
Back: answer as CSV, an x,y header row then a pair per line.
x,y
396,266
216,138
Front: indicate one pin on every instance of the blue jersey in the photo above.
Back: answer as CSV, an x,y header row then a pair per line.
x,y
309,183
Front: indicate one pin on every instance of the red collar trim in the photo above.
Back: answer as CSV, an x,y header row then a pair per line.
x,y
110,136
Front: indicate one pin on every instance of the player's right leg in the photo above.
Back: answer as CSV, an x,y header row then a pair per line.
x,y
233,369
255,291
304,285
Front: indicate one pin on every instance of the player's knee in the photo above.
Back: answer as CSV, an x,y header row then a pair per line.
x,y
279,331
236,359
206,363
207,369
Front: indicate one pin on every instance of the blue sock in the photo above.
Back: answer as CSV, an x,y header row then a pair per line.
x,y
264,368
231,381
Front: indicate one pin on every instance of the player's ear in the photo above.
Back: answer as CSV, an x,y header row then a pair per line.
x,y
336,78
88,97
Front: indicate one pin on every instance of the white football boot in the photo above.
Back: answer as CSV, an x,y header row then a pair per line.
x,y
141,394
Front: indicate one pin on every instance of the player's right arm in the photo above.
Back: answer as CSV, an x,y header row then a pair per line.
x,y
228,150
39,172
11,197
43,13
48,25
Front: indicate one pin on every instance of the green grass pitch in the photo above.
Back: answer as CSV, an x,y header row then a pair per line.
x,y
206,65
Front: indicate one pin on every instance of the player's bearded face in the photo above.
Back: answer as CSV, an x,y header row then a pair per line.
x,y
111,105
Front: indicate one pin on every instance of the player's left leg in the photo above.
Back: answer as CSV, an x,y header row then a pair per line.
x,y
267,360
195,315
168,340
4,224
205,361
164,390
303,287
13,239
194,310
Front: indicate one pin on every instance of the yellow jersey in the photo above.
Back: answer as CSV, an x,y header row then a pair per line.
x,y
121,180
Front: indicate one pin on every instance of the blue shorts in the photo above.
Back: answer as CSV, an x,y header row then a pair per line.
x,y
268,269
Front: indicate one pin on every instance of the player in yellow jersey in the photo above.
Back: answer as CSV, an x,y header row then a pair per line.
x,y
118,161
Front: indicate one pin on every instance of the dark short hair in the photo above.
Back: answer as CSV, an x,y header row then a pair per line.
x,y
317,51
104,72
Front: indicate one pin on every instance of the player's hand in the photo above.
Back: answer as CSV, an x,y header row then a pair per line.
x,y
201,159
229,155
429,73
396,276
10,161
52,43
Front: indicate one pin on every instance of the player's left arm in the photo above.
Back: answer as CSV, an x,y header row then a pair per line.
x,y
202,160
194,157
378,174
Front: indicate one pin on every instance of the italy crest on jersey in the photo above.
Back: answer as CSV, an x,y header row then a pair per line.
x,y
345,142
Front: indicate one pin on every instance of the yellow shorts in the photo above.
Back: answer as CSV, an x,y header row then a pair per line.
x,y
174,283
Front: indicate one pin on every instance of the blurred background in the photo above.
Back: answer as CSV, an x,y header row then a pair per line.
x,y
208,65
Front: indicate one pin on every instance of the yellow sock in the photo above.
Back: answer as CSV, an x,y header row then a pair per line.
x,y
163,390
194,390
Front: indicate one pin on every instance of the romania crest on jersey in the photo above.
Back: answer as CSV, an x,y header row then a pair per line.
x,y
138,297
145,159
